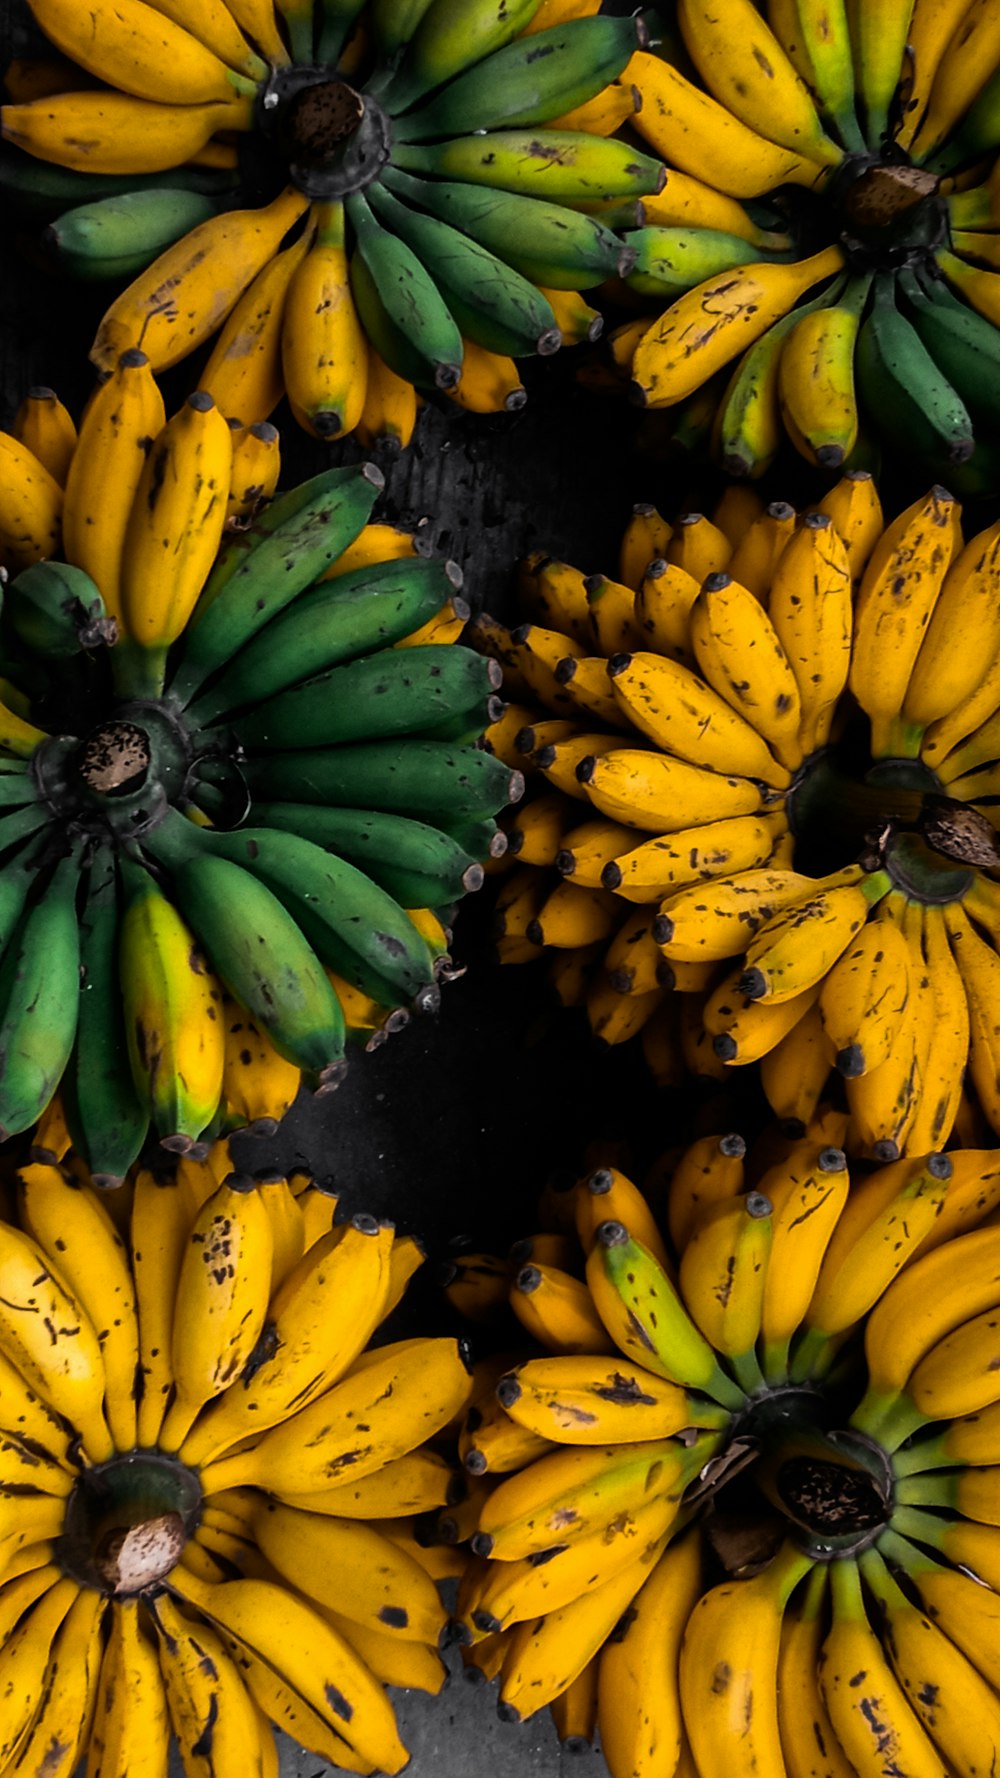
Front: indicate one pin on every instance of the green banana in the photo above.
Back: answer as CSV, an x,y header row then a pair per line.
x,y
20,824
451,36
480,839
561,249
415,863
275,565
394,23
334,621
116,237
669,261
556,164
352,926
465,727
18,788
427,779
335,19
39,998
963,344
490,302
17,879
256,948
532,79
400,305
40,188
106,1120
394,692
908,398
56,610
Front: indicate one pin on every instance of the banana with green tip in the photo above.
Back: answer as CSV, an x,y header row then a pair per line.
x,y
331,622
816,385
417,864
262,570
561,165
448,38
907,395
39,994
530,80
549,244
491,303
669,261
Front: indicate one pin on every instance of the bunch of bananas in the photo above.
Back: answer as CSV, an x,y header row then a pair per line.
x,y
232,826
194,1540
765,776
745,1505
827,237
405,223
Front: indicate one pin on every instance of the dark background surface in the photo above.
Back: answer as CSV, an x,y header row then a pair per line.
x,y
452,1127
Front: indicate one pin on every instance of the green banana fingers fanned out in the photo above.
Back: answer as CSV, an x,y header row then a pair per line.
x,y
839,165
304,246
173,962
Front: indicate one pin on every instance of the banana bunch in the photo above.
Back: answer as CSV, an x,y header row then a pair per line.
x,y
231,838
824,256
440,184
750,1513
760,820
149,1342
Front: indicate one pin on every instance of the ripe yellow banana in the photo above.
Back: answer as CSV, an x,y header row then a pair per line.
x,y
59,1733
206,1696
973,49
661,795
47,1334
108,132
854,506
130,1729
639,1701
374,1583
867,1706
816,379
258,1085
692,131
804,1725
31,507
244,371
807,1198
590,1401
712,925
660,867
795,948
763,536
794,1074
722,1273
739,653
323,349
979,966
735,1630
689,718
47,429
962,636
863,1000
708,1171
900,587
932,29
708,326
189,291
490,383
744,66
609,1195
139,50
557,1310
699,547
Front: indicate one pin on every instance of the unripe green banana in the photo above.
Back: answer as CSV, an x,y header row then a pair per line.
x,y
418,865
452,35
563,165
394,692
428,779
909,398
669,261
116,237
39,997
400,305
57,610
106,1119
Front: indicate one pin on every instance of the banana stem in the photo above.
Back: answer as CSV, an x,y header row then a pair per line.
x,y
928,1453
897,739
138,672
775,1362
889,1419
921,1527
814,1353
903,1553
746,1369
926,1490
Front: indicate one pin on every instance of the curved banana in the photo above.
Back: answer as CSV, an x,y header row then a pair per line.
x,y
744,66
31,508
323,351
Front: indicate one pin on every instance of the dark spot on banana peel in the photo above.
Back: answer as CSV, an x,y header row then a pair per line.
x,y
721,1680
396,1616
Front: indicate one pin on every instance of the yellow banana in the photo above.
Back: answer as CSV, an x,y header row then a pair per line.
x,y
258,1085
416,1483
692,131
244,370
685,202
689,718
24,1660
867,1706
60,1731
130,1732
807,1198
172,1016
189,291
663,600
744,66
808,1744
288,1231
557,1310
816,379
722,1274
73,1228
795,948
794,1074
323,350
608,1195
256,19
175,527
373,1583
591,1401
863,1000
740,655
932,29
661,795
46,428
490,383
391,405
638,1696
108,132
67,1371
141,51
698,925
255,470
979,966
962,1607
735,1630
972,52
943,1064
854,506
698,546
708,326
962,636
212,22
761,543
209,1705
900,587
415,1666
31,506
27,1415
161,1217
644,540
695,855
708,1171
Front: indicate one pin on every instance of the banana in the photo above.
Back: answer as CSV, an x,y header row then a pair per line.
x,y
375,1584
140,51
863,1000
211,1711
59,1732
445,41
161,1217
586,1401
399,304
698,546
427,1385
727,625
932,27
494,306
39,995
46,428
68,1375
976,959
908,395
757,84
130,1730
291,1638
948,1049
290,546
115,237
962,342
808,1744
221,1303
707,1171
955,1376
872,1719
255,471
31,512
854,506
76,1233
330,623
110,132
432,780
968,56
646,1317
711,324
547,243
958,642
123,417
56,609
898,592
669,261
818,43
747,433
816,378
24,1663
214,25
183,297
722,1276
655,870
557,1310
390,411
960,1606
323,350
244,371
693,131
690,718
174,530
879,34
810,607
807,1197
318,1322
172,1013
735,1630
258,1085
418,1482
696,925
563,166
638,1696
658,794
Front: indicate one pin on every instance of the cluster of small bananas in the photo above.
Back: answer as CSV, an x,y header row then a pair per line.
x,y
701,749
746,1504
419,230
828,225
223,836
194,1539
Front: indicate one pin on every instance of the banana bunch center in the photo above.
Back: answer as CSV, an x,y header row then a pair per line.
x,y
127,1521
